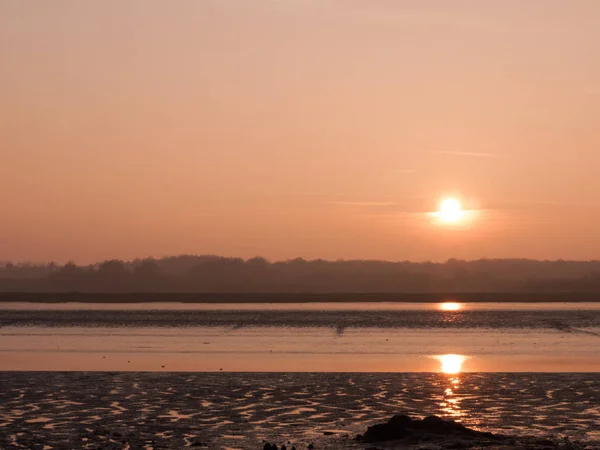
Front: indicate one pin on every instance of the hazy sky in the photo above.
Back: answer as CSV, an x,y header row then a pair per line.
x,y
289,128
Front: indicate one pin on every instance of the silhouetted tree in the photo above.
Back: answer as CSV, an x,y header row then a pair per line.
x,y
211,273
258,261
147,269
112,267
70,268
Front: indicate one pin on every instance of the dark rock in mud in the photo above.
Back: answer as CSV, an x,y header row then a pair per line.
x,y
269,446
431,428
450,435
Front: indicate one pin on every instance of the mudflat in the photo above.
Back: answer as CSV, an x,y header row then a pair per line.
x,y
225,410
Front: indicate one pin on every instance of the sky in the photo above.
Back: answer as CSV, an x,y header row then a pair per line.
x,y
299,128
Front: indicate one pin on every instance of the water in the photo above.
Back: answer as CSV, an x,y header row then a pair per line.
x,y
231,375
311,306
340,337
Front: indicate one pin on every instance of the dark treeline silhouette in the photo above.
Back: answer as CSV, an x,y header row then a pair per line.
x,y
214,274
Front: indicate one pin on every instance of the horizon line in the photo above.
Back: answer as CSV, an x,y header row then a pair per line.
x,y
7,263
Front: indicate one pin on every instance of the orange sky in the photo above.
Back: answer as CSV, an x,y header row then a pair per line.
x,y
289,128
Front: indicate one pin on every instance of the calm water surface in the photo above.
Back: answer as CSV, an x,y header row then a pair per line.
x,y
231,375
336,337
312,306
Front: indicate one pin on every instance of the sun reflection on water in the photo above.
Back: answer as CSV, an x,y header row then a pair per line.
x,y
450,306
451,364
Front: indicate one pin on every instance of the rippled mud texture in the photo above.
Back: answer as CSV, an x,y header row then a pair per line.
x,y
403,431
569,321
218,410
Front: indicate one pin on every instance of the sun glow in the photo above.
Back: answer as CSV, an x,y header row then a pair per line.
x,y
450,210
451,364
450,306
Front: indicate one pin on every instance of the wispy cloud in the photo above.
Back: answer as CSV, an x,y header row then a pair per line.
x,y
295,193
358,203
473,154
552,202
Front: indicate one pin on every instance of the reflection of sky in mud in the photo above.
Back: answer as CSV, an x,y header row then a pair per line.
x,y
281,349
307,337
111,410
451,366
451,402
568,321
233,410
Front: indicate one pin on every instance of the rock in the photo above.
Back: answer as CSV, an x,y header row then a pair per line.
x,y
310,446
455,446
402,420
437,425
390,431
431,428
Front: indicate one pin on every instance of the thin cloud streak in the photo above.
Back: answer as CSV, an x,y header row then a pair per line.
x,y
552,202
474,154
351,203
592,91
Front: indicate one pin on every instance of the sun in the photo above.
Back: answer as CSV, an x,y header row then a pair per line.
x,y
450,210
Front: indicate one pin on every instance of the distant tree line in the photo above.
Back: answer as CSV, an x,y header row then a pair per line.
x,y
209,273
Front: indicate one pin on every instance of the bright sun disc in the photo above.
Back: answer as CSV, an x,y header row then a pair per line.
x,y
450,210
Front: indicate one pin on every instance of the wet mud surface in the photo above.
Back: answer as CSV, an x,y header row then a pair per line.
x,y
224,410
565,321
